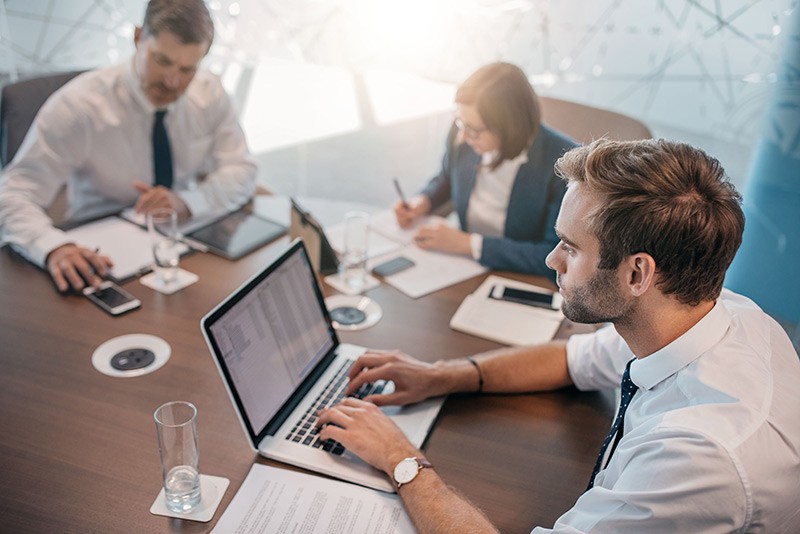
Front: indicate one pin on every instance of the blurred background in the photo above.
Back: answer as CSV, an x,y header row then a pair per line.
x,y
338,96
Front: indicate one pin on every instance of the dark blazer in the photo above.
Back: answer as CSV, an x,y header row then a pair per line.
x,y
529,233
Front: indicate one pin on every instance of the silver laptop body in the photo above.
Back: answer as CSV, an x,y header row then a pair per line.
x,y
277,353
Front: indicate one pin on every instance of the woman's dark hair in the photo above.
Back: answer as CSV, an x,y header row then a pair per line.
x,y
507,104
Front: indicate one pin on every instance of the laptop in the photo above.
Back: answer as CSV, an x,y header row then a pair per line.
x,y
281,361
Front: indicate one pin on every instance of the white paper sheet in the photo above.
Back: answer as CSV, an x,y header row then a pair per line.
x,y
432,270
281,501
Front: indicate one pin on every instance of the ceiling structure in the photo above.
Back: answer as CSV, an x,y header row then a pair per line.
x,y
704,66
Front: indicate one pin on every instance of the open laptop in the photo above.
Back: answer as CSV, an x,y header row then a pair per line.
x,y
280,358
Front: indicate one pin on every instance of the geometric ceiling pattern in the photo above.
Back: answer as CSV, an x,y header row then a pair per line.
x,y
701,65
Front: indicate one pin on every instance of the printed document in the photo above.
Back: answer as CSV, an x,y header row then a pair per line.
x,y
281,501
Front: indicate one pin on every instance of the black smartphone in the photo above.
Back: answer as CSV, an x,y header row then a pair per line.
x,y
547,300
392,266
112,298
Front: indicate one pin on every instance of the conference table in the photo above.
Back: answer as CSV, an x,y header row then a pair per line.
x,y
78,448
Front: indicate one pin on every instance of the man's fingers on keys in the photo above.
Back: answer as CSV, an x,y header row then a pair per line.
x,y
365,377
387,399
369,359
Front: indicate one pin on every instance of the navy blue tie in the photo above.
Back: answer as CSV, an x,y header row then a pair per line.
x,y
628,389
162,155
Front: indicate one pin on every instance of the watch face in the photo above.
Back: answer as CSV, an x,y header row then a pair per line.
x,y
405,471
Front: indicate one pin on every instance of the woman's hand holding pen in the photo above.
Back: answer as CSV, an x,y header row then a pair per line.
x,y
409,212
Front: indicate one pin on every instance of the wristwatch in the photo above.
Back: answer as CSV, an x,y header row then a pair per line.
x,y
406,470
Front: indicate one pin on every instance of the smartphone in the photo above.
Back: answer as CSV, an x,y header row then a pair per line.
x,y
544,299
112,298
392,266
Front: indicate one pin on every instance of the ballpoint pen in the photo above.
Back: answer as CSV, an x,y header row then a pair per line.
x,y
400,192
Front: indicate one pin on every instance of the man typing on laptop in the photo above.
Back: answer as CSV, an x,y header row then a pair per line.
x,y
706,436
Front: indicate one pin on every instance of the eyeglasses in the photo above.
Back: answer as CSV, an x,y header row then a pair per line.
x,y
469,131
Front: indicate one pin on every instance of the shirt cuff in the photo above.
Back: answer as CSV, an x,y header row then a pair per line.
x,y
196,201
476,246
38,251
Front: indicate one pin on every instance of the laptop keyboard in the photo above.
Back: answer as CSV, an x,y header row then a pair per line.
x,y
305,431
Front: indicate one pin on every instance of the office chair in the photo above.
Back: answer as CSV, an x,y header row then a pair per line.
x,y
19,103
586,123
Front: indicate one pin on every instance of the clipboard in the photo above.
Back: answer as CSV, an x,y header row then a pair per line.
x,y
320,252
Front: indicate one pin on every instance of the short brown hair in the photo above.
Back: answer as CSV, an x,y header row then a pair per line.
x,y
507,104
667,199
189,20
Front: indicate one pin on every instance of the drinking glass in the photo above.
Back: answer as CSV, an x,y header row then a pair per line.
x,y
354,261
162,223
176,428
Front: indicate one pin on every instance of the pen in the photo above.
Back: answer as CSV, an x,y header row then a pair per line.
x,y
400,192
196,245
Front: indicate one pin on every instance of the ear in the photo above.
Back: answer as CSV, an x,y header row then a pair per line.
x,y
137,36
640,273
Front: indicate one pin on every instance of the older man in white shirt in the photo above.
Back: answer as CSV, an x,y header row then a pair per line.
x,y
108,134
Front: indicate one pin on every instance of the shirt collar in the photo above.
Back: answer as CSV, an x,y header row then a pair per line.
x,y
650,371
488,157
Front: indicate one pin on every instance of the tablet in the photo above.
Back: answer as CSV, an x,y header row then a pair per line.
x,y
238,234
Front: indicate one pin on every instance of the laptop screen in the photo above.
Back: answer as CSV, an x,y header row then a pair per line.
x,y
269,336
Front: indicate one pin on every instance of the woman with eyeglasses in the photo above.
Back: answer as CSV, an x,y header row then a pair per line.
x,y
498,172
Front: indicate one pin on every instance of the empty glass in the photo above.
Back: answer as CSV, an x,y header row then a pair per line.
x,y
162,223
354,261
176,428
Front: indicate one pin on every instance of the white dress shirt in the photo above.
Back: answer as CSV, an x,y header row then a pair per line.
x,y
94,135
488,202
712,436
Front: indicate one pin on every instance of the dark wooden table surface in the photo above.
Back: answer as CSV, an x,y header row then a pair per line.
x,y
78,449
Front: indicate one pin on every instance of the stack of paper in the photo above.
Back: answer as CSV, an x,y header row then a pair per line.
x,y
509,323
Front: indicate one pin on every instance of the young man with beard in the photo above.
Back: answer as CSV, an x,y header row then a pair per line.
x,y
155,131
708,435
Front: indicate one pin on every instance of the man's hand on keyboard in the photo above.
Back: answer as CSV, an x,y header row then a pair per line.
x,y
367,432
413,379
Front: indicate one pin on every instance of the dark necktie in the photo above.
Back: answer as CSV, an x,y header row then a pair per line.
x,y
628,389
162,155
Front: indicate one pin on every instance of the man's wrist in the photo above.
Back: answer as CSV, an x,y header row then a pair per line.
x,y
458,376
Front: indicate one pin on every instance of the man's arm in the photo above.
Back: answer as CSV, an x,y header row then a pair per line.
x,y
369,433
508,370
52,150
232,179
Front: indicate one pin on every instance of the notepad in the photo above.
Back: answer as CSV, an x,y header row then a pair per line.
x,y
127,244
505,322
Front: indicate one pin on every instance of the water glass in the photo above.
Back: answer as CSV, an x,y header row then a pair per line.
x,y
162,223
354,261
176,427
